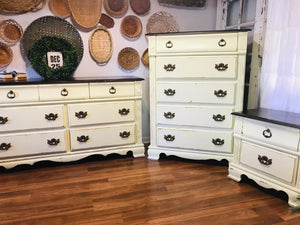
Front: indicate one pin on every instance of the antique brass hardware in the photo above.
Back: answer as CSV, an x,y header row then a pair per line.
x,y
11,94
169,44
169,137
125,134
64,92
112,90
221,67
219,117
83,138
220,93
264,160
5,146
169,115
51,116
222,43
3,120
169,92
53,141
124,111
267,133
81,114
169,67
218,141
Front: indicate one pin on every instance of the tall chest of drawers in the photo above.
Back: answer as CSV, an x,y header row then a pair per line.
x,y
196,82
69,120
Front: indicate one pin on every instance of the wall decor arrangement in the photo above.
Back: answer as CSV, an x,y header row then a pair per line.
x,y
129,58
145,58
60,8
116,8
131,27
140,7
6,55
10,31
19,7
182,3
162,22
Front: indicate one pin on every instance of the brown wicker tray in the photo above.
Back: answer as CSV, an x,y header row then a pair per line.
x,y
140,7
128,58
10,31
107,21
6,55
18,7
131,27
116,8
60,8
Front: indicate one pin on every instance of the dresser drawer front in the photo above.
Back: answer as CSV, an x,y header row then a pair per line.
x,y
272,162
209,140
63,92
13,94
99,113
199,92
196,67
196,43
31,117
285,137
195,116
24,144
112,90
102,136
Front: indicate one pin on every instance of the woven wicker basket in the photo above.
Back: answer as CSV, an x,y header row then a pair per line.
x,y
161,22
10,32
183,3
131,27
60,8
145,58
140,7
18,7
128,58
6,55
101,45
116,8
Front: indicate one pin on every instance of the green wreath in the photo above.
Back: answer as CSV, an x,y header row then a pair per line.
x,y
38,59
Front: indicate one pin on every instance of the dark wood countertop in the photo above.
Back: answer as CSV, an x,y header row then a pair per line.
x,y
200,32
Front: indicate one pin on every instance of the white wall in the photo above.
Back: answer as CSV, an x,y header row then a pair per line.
x,y
192,19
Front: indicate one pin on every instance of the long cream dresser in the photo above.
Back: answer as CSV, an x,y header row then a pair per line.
x,y
196,82
69,120
266,150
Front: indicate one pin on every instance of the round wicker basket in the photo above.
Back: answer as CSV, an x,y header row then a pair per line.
x,y
18,7
140,7
6,55
128,58
101,45
116,8
60,8
131,27
10,32
161,22
145,58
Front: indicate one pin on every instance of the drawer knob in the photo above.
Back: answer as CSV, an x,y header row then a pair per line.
x,y
222,43
51,116
170,92
3,120
221,67
169,137
124,111
112,90
83,138
53,141
219,117
5,146
81,114
11,94
267,133
169,67
125,134
169,115
264,160
218,141
220,93
169,44
64,92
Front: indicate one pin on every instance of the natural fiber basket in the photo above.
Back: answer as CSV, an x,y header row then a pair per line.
x,y
116,8
86,13
131,27
184,3
101,45
107,21
161,22
6,55
145,58
10,32
18,7
140,7
60,8
51,26
128,58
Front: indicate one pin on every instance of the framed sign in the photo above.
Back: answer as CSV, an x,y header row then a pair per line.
x,y
55,60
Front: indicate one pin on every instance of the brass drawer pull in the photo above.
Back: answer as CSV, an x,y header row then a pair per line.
x,y
169,115
3,120
53,141
64,92
219,117
124,111
218,141
51,116
267,133
112,90
169,67
11,94
264,160
83,138
125,134
221,67
220,93
169,44
169,137
81,114
5,146
222,43
170,92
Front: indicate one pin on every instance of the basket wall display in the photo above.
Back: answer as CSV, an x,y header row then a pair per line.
x,y
182,3
10,31
101,45
116,8
86,13
19,7
140,7
161,22
6,55
107,21
131,27
128,58
60,8
145,58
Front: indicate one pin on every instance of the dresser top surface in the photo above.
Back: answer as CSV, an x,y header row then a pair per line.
x,y
199,32
273,116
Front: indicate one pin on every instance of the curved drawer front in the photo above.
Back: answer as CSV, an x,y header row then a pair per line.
x,y
31,117
196,67
272,162
12,94
112,90
209,140
195,116
195,43
99,113
102,136
24,144
200,92
63,92
285,137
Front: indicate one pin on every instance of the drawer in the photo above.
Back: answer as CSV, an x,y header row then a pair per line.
x,y
198,92
195,116
63,92
282,136
12,94
112,90
196,67
99,113
208,140
31,117
102,136
269,161
24,144
194,43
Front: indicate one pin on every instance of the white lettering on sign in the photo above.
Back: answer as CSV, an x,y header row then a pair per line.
x,y
55,59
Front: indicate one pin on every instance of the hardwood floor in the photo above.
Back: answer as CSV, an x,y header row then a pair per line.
x,y
123,190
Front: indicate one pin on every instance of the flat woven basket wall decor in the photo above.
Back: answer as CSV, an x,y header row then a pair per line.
x,y
6,55
183,3
131,27
60,8
161,22
23,6
10,32
115,8
140,7
128,58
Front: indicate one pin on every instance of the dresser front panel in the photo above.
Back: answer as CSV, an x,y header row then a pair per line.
x,y
17,94
112,90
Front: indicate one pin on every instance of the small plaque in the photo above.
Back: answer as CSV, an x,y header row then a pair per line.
x,y
55,59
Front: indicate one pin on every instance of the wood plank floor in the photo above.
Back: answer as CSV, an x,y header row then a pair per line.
x,y
123,190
